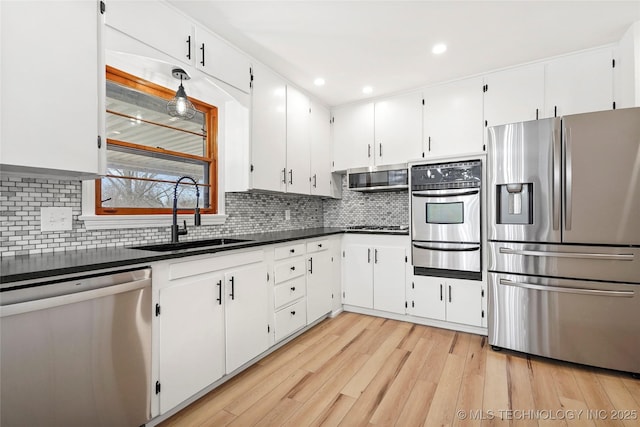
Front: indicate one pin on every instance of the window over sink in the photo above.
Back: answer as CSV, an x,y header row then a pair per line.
x,y
148,151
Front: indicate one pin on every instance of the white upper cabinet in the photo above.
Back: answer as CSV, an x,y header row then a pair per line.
x,y
220,60
626,73
514,95
579,83
352,136
453,118
298,144
168,31
178,36
320,150
268,130
52,105
398,129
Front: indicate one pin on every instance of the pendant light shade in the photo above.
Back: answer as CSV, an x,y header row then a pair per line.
x,y
180,106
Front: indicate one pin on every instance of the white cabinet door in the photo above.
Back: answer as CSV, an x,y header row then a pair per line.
x,y
191,325
464,302
427,297
52,72
268,131
389,279
515,95
352,128
320,128
579,83
246,314
398,129
220,60
358,275
168,31
319,285
298,144
453,118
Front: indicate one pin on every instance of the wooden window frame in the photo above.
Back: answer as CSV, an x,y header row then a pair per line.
x,y
211,149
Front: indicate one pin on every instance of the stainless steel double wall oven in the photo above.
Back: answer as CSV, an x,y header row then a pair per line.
x,y
445,219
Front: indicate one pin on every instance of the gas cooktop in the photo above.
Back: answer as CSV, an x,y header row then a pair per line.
x,y
378,228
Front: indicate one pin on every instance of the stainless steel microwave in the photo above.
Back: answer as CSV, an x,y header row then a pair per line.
x,y
378,178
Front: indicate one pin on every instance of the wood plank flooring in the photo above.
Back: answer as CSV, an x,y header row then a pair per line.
x,y
356,370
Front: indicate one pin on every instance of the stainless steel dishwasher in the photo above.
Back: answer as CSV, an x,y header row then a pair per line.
x,y
76,350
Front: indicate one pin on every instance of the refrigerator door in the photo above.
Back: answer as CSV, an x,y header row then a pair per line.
x,y
602,177
593,323
524,182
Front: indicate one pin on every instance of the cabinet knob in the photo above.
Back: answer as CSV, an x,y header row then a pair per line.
x,y
293,289
293,268
293,313
292,251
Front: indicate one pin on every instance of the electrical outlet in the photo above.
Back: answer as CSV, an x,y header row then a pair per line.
x,y
287,214
55,219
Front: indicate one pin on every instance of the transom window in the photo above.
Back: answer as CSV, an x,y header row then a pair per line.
x,y
148,151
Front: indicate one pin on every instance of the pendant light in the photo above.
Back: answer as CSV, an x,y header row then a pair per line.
x,y
180,106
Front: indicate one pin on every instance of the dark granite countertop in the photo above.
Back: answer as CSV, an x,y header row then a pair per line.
x,y
33,267
30,267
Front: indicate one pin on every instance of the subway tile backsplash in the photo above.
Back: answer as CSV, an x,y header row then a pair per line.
x,y
22,198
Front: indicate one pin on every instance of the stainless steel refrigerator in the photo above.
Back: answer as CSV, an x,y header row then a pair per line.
x,y
564,238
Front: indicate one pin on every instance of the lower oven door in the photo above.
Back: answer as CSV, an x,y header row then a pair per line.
x,y
446,215
458,260
590,322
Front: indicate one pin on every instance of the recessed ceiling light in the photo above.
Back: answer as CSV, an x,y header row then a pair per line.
x,y
319,81
367,90
439,49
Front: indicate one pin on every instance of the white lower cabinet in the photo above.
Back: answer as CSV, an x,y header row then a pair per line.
x,y
451,300
192,351
319,276
290,319
374,271
290,289
211,318
246,314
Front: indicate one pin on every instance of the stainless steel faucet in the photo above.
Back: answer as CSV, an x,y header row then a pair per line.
x,y
175,230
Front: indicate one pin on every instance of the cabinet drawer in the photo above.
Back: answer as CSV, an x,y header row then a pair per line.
x,y
290,319
289,251
317,246
290,269
289,291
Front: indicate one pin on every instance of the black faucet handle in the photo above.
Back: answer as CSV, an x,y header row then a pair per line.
x,y
183,231
197,220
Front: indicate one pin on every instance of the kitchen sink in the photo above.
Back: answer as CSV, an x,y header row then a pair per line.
x,y
166,247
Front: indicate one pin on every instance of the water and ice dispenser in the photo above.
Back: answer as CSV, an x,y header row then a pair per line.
x,y
514,203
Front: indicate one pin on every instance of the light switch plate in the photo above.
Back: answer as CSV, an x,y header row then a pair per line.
x,y
55,219
287,214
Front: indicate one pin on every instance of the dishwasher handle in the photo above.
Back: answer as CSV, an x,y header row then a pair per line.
x,y
41,304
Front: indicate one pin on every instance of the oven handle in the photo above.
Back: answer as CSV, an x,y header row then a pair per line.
x,y
440,195
433,248
625,294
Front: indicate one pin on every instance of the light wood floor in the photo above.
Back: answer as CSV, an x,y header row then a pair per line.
x,y
359,370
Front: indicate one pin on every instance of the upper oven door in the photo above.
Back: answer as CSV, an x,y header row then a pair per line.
x,y
451,215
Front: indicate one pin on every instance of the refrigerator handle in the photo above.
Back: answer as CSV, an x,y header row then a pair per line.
x,y
568,184
556,174
567,290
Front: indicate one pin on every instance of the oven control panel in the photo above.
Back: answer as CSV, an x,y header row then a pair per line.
x,y
446,175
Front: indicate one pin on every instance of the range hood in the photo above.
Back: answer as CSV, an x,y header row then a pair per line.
x,y
379,178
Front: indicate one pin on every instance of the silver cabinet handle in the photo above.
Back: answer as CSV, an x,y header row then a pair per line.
x,y
567,290
284,175
578,255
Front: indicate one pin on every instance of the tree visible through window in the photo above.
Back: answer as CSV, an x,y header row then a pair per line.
x,y
148,151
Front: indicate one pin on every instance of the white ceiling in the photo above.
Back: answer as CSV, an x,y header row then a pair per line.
x,y
387,44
